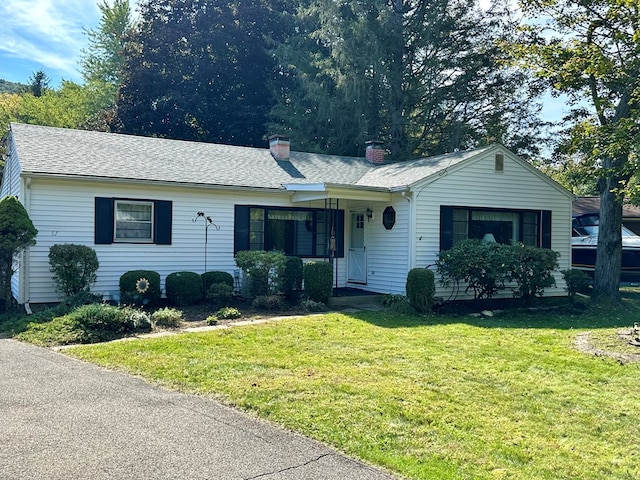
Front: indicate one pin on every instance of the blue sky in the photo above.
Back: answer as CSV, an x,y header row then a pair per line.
x,y
49,35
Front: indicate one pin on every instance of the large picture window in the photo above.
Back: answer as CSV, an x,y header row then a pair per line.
x,y
120,220
301,232
496,225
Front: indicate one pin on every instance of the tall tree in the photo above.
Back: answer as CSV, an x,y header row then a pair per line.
x,y
103,60
38,83
425,77
198,70
590,51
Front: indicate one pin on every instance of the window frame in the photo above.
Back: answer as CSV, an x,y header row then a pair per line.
x,y
105,221
151,222
246,223
450,226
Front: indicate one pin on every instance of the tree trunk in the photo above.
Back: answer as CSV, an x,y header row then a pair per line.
x,y
608,262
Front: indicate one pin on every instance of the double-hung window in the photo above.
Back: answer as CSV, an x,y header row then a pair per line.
x,y
122,220
134,221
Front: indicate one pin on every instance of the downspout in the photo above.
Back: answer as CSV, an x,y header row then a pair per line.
x,y
407,195
24,290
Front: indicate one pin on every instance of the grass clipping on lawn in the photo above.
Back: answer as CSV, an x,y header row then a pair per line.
x,y
430,399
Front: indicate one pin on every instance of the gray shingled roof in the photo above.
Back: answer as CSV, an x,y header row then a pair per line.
x,y
67,152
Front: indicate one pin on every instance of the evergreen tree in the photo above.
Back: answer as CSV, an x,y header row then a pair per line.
x,y
16,234
199,70
425,77
38,83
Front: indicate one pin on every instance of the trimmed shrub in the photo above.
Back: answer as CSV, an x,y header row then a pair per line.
x,y
183,288
264,270
269,303
531,268
577,281
318,281
140,287
292,277
166,317
479,265
210,278
219,293
421,287
74,267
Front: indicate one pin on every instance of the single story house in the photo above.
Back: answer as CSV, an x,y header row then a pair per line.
x,y
169,205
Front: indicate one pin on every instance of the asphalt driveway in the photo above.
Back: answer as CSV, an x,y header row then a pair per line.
x,y
61,418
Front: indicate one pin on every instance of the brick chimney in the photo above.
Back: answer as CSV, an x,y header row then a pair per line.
x,y
375,152
279,146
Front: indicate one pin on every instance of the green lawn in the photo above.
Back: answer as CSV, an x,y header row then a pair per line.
x,y
445,397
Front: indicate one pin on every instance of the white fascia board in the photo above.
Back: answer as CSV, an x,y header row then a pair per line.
x,y
310,192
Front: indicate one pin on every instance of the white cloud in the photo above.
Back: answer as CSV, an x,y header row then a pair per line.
x,y
49,33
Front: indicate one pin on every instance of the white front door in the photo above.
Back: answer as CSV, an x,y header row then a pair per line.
x,y
357,250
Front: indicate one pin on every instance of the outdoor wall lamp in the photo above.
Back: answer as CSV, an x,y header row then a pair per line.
x,y
369,214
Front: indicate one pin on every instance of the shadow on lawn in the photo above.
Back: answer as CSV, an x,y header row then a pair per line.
x,y
550,313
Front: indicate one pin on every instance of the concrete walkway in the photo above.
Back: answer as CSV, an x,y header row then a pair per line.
x,y
61,418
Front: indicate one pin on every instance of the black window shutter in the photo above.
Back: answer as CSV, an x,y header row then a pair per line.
x,y
162,221
446,228
241,228
546,229
103,230
339,224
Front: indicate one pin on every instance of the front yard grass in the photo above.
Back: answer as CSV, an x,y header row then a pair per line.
x,y
426,397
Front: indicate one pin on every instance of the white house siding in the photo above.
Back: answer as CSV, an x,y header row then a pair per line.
x,y
63,212
387,251
478,185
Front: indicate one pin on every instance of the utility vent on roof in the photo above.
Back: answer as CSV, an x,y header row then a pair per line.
x,y
499,162
279,147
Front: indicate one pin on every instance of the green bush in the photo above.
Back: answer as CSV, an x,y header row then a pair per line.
x,y
141,320
531,268
210,278
480,265
311,306
398,304
219,293
228,313
74,267
97,322
577,281
16,234
269,303
263,269
292,277
318,281
421,288
166,317
140,287
183,288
